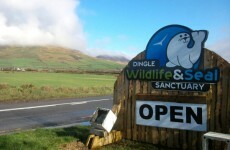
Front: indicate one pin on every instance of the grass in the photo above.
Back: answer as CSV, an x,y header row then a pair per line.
x,y
39,79
63,138
43,85
50,139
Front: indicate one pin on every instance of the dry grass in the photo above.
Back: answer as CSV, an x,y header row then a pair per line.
x,y
30,92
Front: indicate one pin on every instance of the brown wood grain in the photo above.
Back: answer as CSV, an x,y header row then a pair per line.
x,y
217,99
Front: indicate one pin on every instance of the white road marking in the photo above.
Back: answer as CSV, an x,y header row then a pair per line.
x,y
52,105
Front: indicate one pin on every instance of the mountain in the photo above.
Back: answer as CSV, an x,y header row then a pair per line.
x,y
51,57
121,59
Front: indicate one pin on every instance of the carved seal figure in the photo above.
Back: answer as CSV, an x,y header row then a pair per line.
x,y
180,54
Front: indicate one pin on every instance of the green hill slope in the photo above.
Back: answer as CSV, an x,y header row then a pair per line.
x,y
50,57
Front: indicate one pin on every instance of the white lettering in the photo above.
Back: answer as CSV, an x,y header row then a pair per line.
x,y
145,63
179,86
134,64
201,86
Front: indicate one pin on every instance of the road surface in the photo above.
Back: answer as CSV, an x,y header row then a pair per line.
x,y
14,117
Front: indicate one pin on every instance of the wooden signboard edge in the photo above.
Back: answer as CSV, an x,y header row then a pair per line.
x,y
172,98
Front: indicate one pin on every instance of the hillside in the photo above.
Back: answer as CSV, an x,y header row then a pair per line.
x,y
50,57
120,59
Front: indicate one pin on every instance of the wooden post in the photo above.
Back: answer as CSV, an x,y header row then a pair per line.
x,y
96,141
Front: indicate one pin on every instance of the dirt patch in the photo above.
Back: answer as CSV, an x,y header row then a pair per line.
x,y
74,146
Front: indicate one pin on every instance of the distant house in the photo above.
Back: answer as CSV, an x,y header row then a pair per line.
x,y
19,69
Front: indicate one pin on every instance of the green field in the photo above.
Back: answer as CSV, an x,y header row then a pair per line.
x,y
43,85
56,79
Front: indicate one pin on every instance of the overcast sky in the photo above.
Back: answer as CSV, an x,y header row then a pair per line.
x,y
116,27
41,22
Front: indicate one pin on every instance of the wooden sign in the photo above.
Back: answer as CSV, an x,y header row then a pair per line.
x,y
130,90
173,61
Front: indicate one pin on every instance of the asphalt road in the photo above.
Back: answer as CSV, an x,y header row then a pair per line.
x,y
21,116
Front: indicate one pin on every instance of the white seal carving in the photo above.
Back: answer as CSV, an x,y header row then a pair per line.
x,y
178,52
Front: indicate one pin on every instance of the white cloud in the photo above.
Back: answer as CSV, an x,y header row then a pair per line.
x,y
221,47
41,22
100,51
117,45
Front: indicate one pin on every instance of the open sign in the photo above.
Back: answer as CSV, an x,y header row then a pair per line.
x,y
183,116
